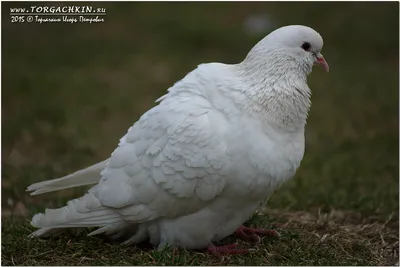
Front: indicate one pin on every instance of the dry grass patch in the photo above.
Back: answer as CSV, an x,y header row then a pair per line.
x,y
351,235
335,238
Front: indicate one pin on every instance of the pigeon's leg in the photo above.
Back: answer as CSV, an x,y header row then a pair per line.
x,y
253,234
227,249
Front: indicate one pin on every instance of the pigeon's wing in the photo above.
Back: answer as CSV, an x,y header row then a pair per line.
x,y
170,163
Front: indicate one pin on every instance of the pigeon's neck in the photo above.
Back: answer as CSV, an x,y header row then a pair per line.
x,y
277,90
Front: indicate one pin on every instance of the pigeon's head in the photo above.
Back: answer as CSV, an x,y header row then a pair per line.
x,y
301,43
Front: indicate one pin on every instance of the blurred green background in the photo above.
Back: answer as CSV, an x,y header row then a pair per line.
x,y
70,91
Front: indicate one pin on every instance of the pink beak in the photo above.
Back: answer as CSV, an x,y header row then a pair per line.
x,y
321,61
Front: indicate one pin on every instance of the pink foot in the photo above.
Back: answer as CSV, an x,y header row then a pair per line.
x,y
253,234
228,249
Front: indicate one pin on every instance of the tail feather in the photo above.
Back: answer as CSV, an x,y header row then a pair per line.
x,y
116,230
137,233
90,175
86,211
45,232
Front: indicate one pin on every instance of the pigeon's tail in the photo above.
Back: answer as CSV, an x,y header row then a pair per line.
x,y
90,175
86,211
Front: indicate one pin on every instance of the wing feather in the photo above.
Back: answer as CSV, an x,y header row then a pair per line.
x,y
170,162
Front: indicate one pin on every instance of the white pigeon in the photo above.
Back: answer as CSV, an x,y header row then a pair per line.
x,y
193,168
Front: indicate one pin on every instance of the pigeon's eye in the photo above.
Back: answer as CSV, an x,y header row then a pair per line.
x,y
306,46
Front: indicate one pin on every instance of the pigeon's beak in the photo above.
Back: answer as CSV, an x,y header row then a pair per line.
x,y
321,61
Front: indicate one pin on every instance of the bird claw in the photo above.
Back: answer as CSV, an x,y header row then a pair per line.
x,y
252,235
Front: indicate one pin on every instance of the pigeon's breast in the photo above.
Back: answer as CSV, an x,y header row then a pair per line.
x,y
265,158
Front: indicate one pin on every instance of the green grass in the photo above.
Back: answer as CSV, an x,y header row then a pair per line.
x,y
71,91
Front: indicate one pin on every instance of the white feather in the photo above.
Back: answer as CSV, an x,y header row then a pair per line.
x,y
193,168
87,176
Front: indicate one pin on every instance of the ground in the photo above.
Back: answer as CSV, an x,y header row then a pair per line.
x,y
70,91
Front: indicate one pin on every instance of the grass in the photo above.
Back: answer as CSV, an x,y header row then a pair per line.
x,y
336,238
71,91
